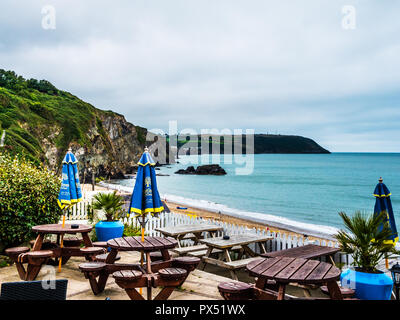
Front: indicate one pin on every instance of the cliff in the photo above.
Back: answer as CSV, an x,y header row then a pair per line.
x,y
41,122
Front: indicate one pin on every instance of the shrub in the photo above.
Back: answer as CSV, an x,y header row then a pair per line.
x,y
110,203
28,197
365,241
131,230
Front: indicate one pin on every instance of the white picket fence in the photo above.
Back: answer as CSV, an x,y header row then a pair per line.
x,y
280,241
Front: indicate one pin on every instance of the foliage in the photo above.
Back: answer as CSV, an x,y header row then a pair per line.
x,y
110,203
100,179
364,240
131,230
28,197
33,108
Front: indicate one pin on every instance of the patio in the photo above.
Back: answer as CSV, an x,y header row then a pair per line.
x,y
200,285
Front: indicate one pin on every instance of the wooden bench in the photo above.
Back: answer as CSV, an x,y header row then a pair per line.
x,y
35,260
234,265
236,290
244,291
100,244
201,253
90,253
187,263
184,250
72,242
347,293
91,271
102,257
172,274
13,253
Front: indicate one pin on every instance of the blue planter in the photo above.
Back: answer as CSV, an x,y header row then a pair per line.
x,y
106,230
368,286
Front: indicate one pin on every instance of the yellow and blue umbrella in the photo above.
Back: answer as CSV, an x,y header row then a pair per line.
x,y
145,197
70,191
384,204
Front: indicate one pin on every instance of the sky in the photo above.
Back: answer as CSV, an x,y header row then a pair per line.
x,y
313,68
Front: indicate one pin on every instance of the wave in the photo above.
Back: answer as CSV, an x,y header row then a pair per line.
x,y
315,230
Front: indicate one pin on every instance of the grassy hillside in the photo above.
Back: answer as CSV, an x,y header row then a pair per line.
x,y
31,110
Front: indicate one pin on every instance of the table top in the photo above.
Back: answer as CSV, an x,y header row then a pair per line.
x,y
59,229
298,270
309,251
135,243
234,240
188,228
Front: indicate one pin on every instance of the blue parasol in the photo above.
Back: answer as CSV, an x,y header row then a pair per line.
x,y
384,204
145,197
70,191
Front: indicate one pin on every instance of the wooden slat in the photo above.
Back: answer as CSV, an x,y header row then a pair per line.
x,y
304,271
290,269
267,263
319,272
277,267
333,274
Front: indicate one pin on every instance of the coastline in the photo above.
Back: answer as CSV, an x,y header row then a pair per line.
x,y
209,210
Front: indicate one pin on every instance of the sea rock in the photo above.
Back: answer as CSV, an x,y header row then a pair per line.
x,y
208,169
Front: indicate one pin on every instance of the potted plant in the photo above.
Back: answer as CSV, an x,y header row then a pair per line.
x,y
367,245
111,205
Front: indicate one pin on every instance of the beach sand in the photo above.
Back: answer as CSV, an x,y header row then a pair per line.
x,y
232,220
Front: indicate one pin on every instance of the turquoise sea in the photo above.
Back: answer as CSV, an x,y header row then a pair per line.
x,y
297,189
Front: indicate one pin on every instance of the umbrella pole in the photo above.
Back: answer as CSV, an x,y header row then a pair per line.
x,y
141,252
61,243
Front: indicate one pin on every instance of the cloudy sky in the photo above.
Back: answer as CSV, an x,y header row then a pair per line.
x,y
287,66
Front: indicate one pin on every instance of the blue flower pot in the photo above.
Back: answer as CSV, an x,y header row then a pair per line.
x,y
106,230
367,286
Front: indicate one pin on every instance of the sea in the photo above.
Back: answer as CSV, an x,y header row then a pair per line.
x,y
300,192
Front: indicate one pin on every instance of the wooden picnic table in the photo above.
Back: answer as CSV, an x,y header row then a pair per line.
x,y
184,230
167,273
285,270
309,251
50,252
225,260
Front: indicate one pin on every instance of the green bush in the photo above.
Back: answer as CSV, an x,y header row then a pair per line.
x,y
131,230
28,197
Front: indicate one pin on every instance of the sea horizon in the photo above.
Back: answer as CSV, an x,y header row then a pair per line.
x,y
299,192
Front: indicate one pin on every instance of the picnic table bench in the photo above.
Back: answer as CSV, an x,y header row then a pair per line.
x,y
194,232
284,270
44,251
226,246
309,251
167,273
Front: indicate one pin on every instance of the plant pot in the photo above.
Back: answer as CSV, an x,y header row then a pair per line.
x,y
106,230
367,286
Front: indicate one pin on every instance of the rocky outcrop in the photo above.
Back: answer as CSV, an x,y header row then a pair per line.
x,y
113,149
208,169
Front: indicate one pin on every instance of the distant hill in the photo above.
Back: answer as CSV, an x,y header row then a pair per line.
x,y
263,143
266,143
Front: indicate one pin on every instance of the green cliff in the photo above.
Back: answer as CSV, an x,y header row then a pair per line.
x,y
41,122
